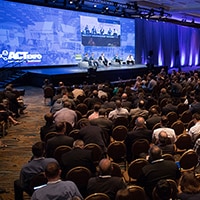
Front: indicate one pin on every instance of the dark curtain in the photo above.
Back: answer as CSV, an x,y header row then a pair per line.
x,y
166,44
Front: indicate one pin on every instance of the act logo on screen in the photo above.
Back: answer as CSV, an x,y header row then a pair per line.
x,y
20,56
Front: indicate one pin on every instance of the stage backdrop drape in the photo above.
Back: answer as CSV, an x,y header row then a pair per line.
x,y
166,44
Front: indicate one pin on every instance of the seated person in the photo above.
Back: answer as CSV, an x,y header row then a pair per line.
x,y
102,59
92,61
56,188
37,165
130,60
6,115
105,183
86,58
117,59
78,156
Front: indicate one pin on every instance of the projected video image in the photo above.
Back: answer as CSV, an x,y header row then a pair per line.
x,y
100,32
41,36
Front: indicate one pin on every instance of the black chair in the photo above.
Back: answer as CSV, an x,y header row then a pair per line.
x,y
96,152
138,147
37,181
97,196
183,143
178,127
117,152
173,194
135,170
80,176
137,192
119,133
188,160
59,151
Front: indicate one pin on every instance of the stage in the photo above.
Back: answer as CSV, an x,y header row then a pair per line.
x,y
75,75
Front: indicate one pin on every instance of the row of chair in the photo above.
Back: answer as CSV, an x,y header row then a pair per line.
x,y
81,175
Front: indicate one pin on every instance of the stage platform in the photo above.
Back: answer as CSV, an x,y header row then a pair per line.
x,y
74,75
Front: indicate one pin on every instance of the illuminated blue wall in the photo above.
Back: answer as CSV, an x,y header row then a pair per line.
x,y
172,45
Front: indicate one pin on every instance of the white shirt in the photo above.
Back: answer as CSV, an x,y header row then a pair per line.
x,y
194,131
170,132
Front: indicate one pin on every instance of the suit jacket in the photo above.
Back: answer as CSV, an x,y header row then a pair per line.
x,y
105,184
168,108
106,125
77,157
152,121
187,196
132,136
57,141
93,134
46,129
155,171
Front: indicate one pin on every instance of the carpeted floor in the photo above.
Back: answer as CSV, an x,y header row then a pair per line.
x,y
20,139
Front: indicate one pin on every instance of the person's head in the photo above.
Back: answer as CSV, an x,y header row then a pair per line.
x,y
97,106
102,111
163,91
67,104
164,120
104,98
52,171
46,81
189,183
95,93
105,167
49,117
118,103
124,96
38,149
60,127
196,117
78,144
141,104
163,190
155,153
123,194
162,137
140,122
153,111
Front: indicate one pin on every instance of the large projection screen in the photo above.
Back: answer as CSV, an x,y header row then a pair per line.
x,y
40,36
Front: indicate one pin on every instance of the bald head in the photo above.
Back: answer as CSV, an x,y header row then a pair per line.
x,y
105,166
124,96
155,153
140,122
162,137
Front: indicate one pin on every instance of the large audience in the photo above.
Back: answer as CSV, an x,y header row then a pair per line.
x,y
88,114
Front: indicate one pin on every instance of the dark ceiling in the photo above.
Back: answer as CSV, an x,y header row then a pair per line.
x,y
183,12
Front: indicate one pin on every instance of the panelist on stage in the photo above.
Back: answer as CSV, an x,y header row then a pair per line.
x,y
103,60
130,60
92,61
117,59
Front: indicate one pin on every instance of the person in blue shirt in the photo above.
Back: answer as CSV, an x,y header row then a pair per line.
x,y
56,189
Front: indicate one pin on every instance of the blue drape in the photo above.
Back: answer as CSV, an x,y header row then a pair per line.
x,y
167,44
